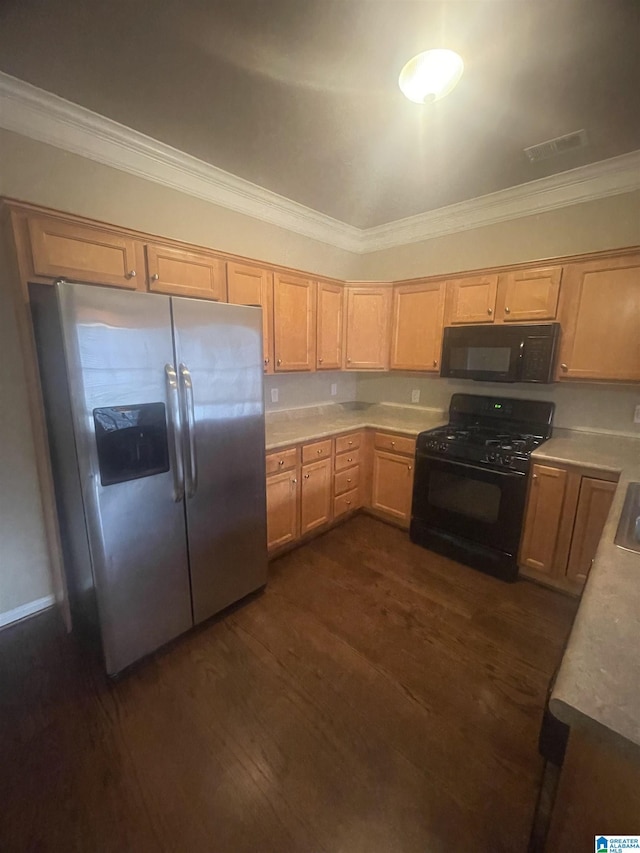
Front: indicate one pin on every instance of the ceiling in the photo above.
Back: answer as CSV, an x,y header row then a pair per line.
x,y
301,96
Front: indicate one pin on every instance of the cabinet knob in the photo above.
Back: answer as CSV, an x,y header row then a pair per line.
x,y
534,476
131,274
564,367
348,479
320,360
348,361
349,459
155,276
489,311
507,310
306,476
350,443
281,462
435,362
295,480
393,444
319,452
279,361
409,467
266,361
348,503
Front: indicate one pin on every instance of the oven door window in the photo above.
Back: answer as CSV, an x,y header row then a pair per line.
x,y
460,494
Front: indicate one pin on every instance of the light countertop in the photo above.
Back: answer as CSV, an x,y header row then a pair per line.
x,y
598,684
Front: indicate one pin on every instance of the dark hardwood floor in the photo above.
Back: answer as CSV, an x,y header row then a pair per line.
x,y
376,698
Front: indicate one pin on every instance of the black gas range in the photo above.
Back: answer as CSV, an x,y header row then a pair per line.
x,y
471,480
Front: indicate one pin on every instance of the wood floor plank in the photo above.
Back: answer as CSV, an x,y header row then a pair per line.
x,y
376,698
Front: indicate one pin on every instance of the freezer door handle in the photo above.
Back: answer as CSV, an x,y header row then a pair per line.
x,y
190,420
175,446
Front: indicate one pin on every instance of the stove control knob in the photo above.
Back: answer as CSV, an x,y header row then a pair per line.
x,y
506,460
443,447
492,457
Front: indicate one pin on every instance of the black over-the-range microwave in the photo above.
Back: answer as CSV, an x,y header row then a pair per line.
x,y
500,353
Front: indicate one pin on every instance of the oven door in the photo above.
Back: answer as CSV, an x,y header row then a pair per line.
x,y
467,500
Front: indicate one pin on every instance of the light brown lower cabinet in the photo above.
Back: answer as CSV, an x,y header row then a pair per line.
x,y
566,512
392,476
315,496
283,498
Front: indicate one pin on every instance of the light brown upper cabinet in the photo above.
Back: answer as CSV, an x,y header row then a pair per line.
x,y
416,329
329,349
249,285
600,316
181,273
294,323
472,299
367,327
526,296
65,249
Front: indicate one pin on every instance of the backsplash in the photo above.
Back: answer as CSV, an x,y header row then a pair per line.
x,y
583,406
309,389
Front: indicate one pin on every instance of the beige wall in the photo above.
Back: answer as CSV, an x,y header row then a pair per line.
x,y
309,389
596,407
38,173
607,223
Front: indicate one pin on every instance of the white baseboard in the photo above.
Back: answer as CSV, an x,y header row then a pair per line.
x,y
25,610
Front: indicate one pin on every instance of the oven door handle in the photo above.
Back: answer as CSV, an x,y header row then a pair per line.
x,y
456,463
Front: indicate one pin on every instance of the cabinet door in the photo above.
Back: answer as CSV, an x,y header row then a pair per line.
x,y
282,509
248,285
529,295
181,273
294,322
367,328
473,299
594,504
418,319
392,485
600,316
543,518
63,249
315,502
330,298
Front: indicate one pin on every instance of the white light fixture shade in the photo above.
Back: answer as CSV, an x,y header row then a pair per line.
x,y
431,75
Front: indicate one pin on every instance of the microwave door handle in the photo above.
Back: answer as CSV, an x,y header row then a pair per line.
x,y
190,419
175,428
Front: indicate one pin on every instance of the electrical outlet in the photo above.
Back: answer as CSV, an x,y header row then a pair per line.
x,y
636,415
334,389
274,395
415,395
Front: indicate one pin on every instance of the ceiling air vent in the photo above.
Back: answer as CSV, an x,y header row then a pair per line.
x,y
553,147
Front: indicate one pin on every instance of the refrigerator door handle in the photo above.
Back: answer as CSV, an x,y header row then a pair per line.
x,y
173,398
190,420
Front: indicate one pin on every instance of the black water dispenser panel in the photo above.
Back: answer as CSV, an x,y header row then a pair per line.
x,y
132,442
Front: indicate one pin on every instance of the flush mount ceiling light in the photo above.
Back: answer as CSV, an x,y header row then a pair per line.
x,y
431,75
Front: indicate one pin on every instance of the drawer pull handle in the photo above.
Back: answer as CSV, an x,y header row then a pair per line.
x,y
350,443
319,452
393,444
348,479
306,476
281,462
348,503
349,459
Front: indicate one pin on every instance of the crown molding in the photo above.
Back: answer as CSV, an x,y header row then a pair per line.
x,y
40,115
606,178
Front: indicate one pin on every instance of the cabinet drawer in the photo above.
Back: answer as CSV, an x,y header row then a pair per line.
x,y
346,503
315,451
347,480
282,460
347,460
395,443
348,442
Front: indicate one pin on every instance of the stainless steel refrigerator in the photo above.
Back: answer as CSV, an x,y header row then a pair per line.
x,y
155,416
